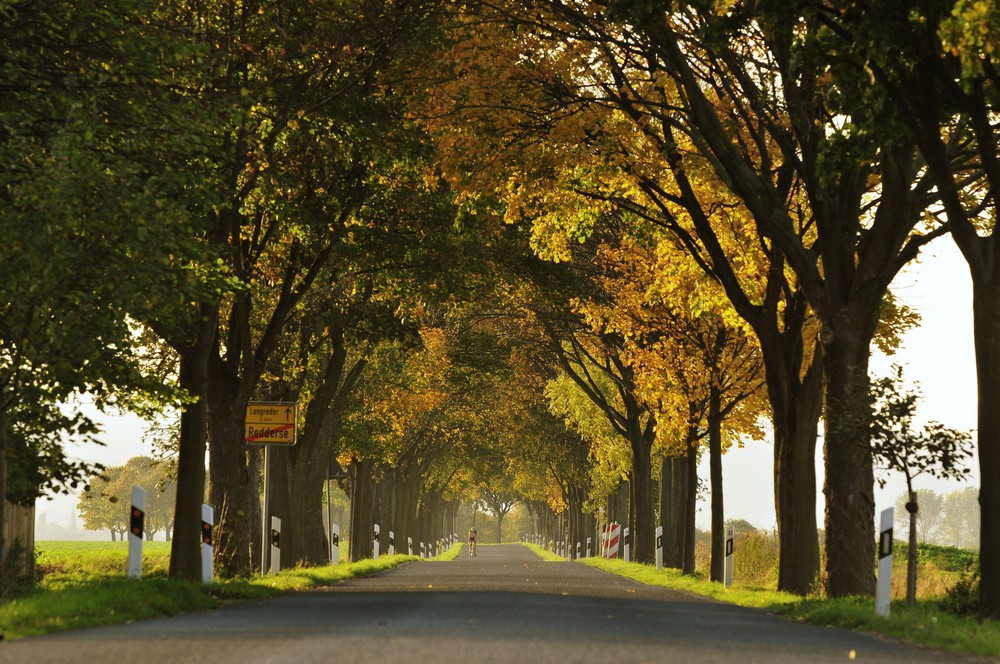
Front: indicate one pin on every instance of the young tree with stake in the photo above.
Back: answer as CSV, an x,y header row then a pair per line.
x,y
896,445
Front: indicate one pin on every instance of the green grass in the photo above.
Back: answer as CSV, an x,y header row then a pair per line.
x,y
84,584
69,563
923,624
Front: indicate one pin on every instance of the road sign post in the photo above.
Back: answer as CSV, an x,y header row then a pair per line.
x,y
269,423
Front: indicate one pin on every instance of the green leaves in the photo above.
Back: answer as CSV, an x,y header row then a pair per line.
x,y
899,445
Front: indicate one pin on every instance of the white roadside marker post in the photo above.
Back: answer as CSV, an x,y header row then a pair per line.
x,y
392,543
275,545
335,545
659,547
207,547
409,546
589,544
135,531
375,542
728,574
882,592
627,547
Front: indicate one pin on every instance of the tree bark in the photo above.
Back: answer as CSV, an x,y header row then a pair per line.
x,y
986,326
690,510
673,489
850,480
643,535
795,408
3,491
361,509
911,553
232,486
185,548
640,437
718,560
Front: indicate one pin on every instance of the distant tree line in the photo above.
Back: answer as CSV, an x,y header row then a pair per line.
x,y
106,502
950,519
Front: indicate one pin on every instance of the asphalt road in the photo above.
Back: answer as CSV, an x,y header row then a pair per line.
x,y
505,605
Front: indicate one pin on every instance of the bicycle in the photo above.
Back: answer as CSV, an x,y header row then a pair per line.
x,y
472,548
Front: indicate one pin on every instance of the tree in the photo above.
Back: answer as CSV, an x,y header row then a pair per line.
x,y
769,133
936,63
88,227
695,365
105,503
960,520
499,501
935,450
560,96
99,505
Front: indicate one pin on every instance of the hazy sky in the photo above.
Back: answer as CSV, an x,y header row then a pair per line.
x,y
938,355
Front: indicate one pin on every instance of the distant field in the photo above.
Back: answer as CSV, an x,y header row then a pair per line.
x,y
61,562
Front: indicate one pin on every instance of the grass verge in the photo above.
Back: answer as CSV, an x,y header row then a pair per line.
x,y
923,624
83,585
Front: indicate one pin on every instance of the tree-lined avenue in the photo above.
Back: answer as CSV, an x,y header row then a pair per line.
x,y
505,605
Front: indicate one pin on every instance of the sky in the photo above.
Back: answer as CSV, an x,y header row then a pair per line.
x,y
938,355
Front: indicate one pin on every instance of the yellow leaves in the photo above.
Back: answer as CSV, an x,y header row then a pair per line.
x,y
413,388
554,495
680,335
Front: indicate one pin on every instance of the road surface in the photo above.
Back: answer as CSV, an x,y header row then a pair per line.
x,y
505,605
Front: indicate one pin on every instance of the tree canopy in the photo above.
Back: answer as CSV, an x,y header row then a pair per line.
x,y
541,252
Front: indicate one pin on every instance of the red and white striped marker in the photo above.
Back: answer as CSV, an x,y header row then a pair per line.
x,y
612,540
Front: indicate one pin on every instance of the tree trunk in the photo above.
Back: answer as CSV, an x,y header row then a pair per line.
x,y
3,489
673,507
255,468
232,486
640,437
643,535
850,480
986,325
911,554
361,509
690,510
795,415
404,509
185,548
717,570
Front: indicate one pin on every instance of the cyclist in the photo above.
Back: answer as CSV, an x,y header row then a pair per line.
x,y
473,535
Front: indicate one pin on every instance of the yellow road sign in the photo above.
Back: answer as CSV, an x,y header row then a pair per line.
x,y
270,423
